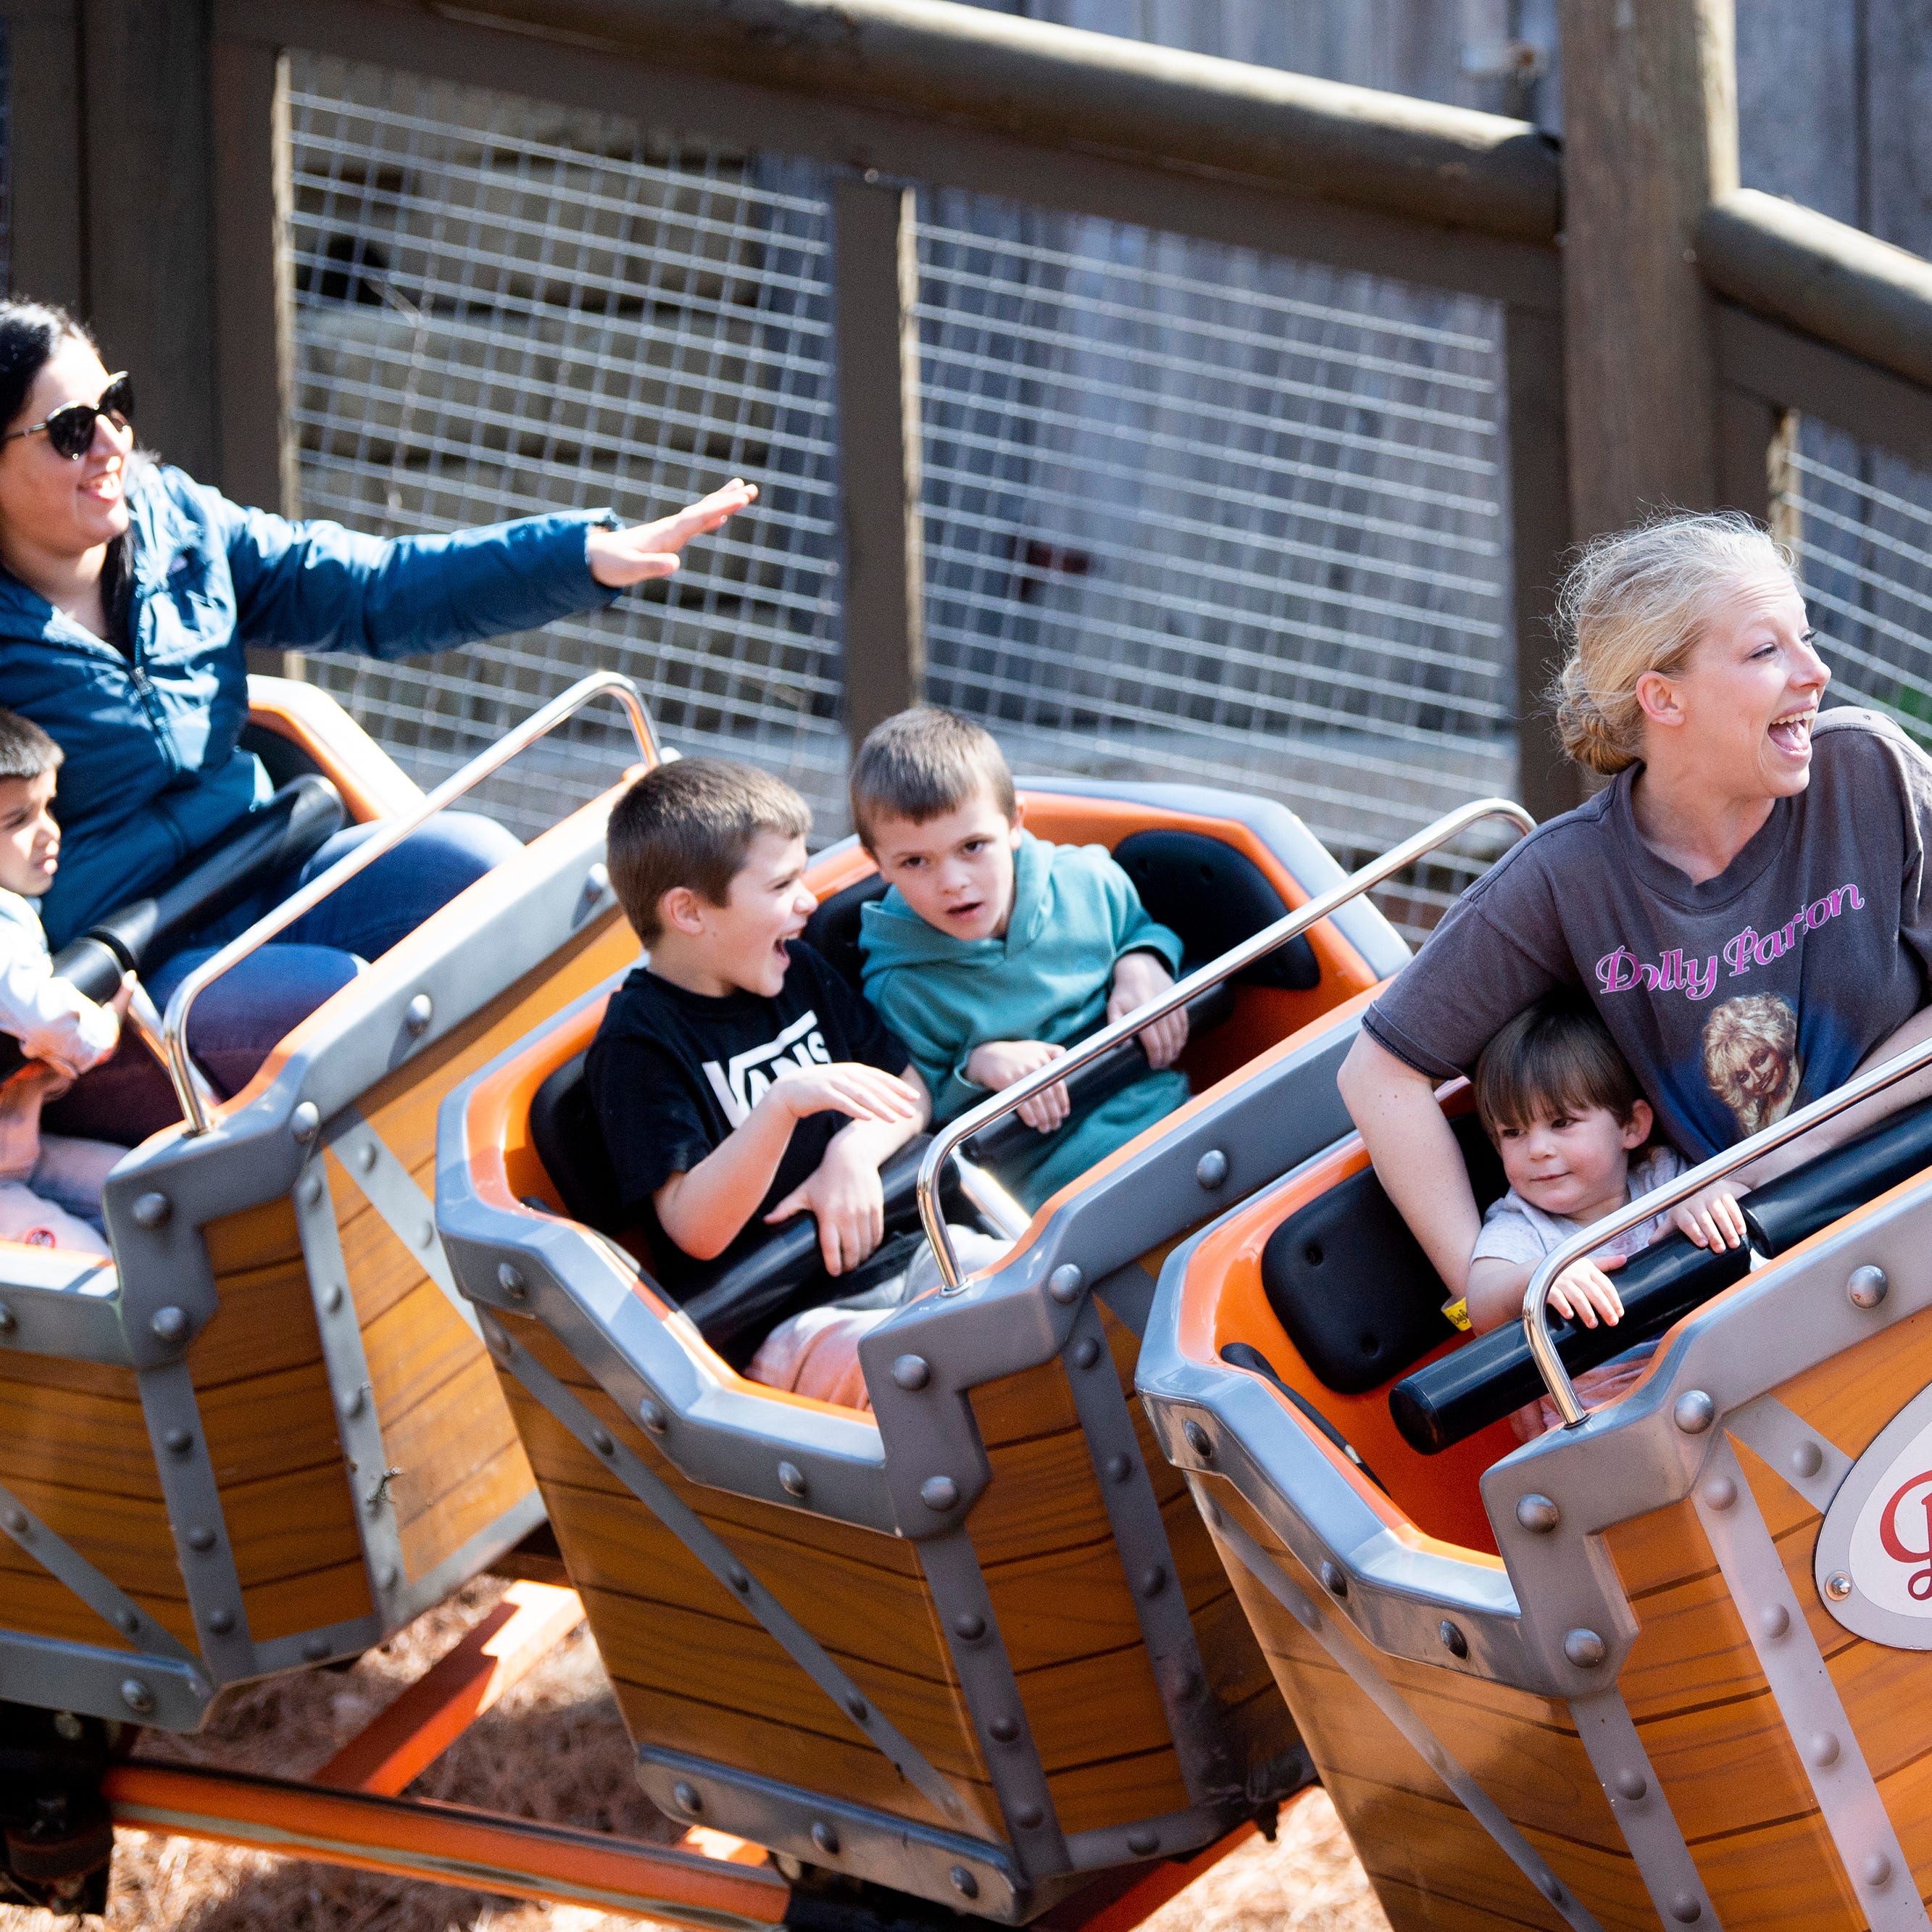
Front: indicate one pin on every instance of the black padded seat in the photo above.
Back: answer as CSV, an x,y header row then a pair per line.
x,y
570,1143
1214,897
1350,1285
833,931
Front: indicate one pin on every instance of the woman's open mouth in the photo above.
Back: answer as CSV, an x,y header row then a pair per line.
x,y
1792,732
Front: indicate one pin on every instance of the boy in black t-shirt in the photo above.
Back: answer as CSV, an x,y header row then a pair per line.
x,y
738,1079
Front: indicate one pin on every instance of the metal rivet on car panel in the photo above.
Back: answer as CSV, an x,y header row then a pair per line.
x,y
1695,1412
200,1536
511,1281
1585,1648
1087,1353
15,1520
1198,1440
857,1706
912,1372
1823,1750
1453,1641
387,1577
151,1211
964,1883
221,1621
417,1014
651,1414
170,1324
600,1441
1063,1284
304,1120
311,1190
939,1493
8,1321
331,1298
1334,1581
1119,1468
825,1838
1143,1844
365,1157
1211,1169
1875,1868
1537,1514
1837,1586
1152,1581
1685,1910
1866,1287
136,1696
1807,1459
1004,1728
1773,1621
686,1798
1720,1493
178,1442
791,1479
1631,1785
970,1626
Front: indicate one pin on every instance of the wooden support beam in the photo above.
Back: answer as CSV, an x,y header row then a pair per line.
x,y
45,185
150,290
1540,523
875,284
413,1733
1649,141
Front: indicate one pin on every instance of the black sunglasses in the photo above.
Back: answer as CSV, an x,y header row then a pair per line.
x,y
70,428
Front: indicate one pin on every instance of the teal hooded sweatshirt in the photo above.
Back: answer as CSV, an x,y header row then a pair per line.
x,y
1075,913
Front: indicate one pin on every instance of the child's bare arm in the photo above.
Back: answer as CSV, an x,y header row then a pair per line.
x,y
704,1210
1583,1292
843,1192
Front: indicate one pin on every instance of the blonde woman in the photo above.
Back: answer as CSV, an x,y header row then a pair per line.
x,y
1749,860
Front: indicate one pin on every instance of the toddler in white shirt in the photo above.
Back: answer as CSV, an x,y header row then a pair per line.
x,y
1562,1106
49,1184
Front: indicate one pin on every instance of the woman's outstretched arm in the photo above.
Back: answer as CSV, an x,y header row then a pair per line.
x,y
1416,1157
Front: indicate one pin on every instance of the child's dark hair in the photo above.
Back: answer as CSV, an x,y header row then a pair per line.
x,y
690,824
924,762
1555,1058
25,750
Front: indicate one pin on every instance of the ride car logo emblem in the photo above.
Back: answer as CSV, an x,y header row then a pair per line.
x,y
1876,1536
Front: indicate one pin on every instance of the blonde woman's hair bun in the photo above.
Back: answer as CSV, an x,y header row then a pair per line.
x,y
1637,602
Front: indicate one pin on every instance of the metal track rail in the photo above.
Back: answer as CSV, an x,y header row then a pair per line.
x,y
950,1139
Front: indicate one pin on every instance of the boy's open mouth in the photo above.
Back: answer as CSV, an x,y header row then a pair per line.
x,y
971,909
1792,732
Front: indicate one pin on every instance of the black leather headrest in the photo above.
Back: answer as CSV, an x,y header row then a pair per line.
x,y
570,1143
833,931
1350,1283
1214,897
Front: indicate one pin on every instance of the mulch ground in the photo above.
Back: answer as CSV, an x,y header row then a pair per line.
x,y
554,1749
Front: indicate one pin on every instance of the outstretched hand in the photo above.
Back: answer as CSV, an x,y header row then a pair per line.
x,y
620,558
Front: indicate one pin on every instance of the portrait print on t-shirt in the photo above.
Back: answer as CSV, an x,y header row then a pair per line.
x,y
1735,1000
1751,1059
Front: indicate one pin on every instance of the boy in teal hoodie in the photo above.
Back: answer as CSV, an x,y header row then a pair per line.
x,y
993,951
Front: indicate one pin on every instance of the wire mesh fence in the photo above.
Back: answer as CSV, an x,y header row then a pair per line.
x,y
1192,512
1860,522
503,309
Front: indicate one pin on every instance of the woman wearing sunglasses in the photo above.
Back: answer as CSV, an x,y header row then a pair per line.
x,y
129,594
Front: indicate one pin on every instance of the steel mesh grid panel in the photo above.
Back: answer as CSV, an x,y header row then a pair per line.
x,y
1192,512
504,308
1859,520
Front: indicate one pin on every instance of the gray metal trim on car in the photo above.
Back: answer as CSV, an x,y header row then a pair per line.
x,y
1415,1733
197,1522
358,1425
1642,1811
1808,1700
78,1319
1805,1458
55,1675
734,1575
98,1591
868,1844
401,1206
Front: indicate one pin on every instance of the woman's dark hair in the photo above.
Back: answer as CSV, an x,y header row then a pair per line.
x,y
30,332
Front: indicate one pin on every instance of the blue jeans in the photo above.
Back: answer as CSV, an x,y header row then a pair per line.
x,y
238,1020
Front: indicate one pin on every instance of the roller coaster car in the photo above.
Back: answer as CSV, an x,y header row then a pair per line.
x,y
973,1645
1663,1668
267,1433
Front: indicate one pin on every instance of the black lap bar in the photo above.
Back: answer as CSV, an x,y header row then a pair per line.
x,y
1116,1070
1493,1374
1483,1380
266,846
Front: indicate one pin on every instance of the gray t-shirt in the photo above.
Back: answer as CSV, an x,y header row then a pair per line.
x,y
1735,1000
1514,1231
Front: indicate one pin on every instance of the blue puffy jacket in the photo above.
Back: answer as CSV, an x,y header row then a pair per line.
x,y
151,772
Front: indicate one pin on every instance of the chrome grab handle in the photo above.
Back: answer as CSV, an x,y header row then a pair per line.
x,y
1536,1296
1290,925
174,1027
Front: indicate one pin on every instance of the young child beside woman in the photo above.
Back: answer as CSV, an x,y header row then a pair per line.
x,y
49,1184
1562,1107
